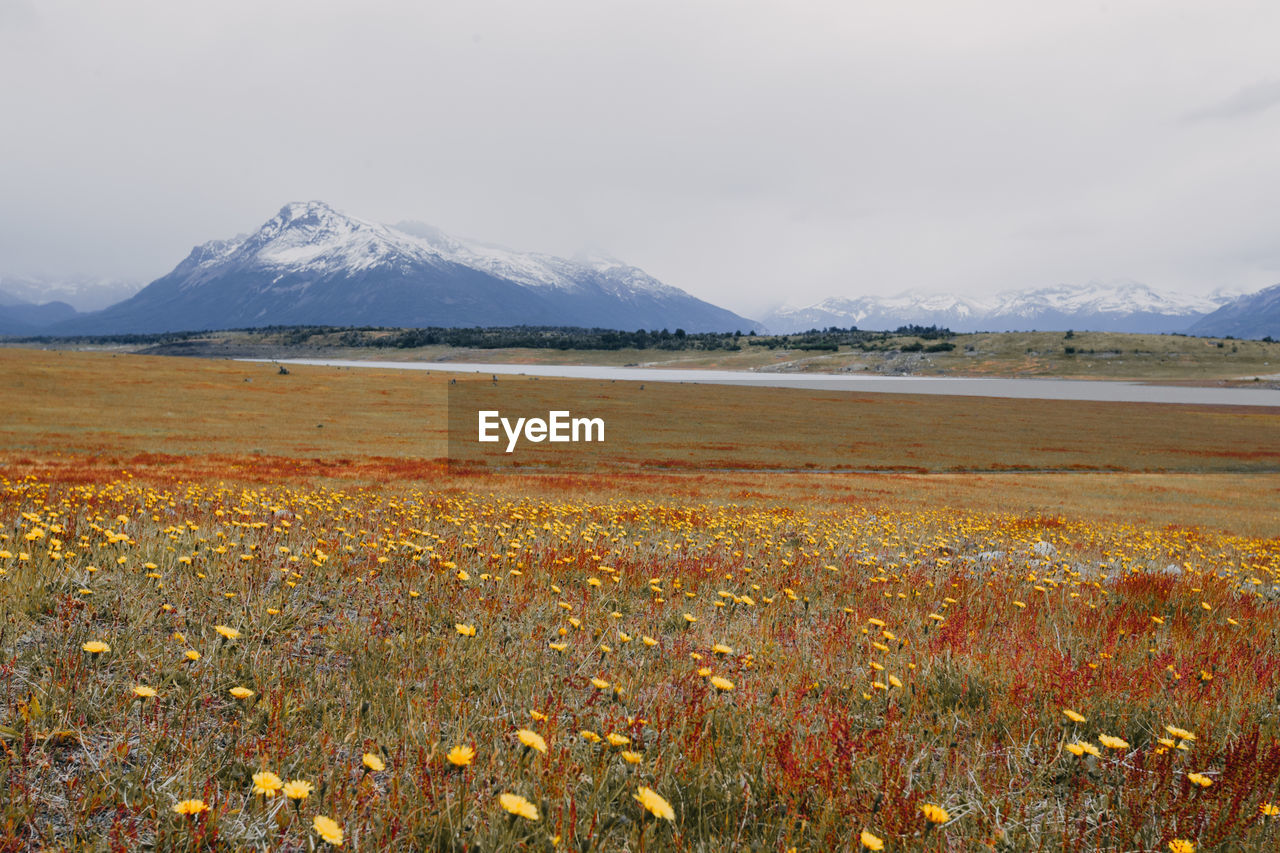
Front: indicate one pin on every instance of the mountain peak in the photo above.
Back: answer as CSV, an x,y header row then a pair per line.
x,y
302,211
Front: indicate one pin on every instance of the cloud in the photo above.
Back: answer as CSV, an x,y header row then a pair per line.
x,y
1246,102
18,15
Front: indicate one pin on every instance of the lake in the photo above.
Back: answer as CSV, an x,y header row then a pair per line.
x,y
1038,389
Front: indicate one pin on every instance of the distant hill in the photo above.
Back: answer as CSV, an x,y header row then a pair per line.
x,y
20,317
311,265
1256,315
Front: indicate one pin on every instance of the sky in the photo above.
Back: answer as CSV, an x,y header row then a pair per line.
x,y
752,153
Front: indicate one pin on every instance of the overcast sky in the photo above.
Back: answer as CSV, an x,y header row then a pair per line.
x,y
749,152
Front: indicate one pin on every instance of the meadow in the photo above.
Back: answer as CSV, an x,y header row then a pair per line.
x,y
267,614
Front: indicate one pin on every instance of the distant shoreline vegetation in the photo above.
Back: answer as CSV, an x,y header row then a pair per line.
x,y
532,337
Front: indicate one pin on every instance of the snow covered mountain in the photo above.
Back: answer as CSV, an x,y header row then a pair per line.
x,y
1256,315
880,312
1111,307
310,264
1116,307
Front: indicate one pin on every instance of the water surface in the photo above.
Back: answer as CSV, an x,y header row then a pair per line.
x,y
1037,389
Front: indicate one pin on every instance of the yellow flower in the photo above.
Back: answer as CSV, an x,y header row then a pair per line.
x,y
144,692
617,740
240,692
870,841
934,814
1182,734
654,803
191,654
518,805
465,630
589,736
373,762
600,684
266,783
558,646
297,789
720,683
721,649
96,647
1269,810
704,671
538,715
461,756
1113,742
648,641
1181,845
228,633
1199,779
327,829
1081,747
531,739
190,807
1073,716
894,681
631,757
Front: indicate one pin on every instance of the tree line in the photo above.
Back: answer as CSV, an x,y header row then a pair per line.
x,y
531,337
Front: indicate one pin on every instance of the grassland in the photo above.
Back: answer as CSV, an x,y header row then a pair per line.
x,y
817,661
1083,355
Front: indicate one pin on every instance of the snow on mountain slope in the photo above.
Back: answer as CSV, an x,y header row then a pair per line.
x,y
534,269
1126,297
313,238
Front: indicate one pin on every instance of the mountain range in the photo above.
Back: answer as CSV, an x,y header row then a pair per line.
x,y
312,265
1125,306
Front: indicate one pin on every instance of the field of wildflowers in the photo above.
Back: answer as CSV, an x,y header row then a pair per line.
x,y
204,666
243,614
